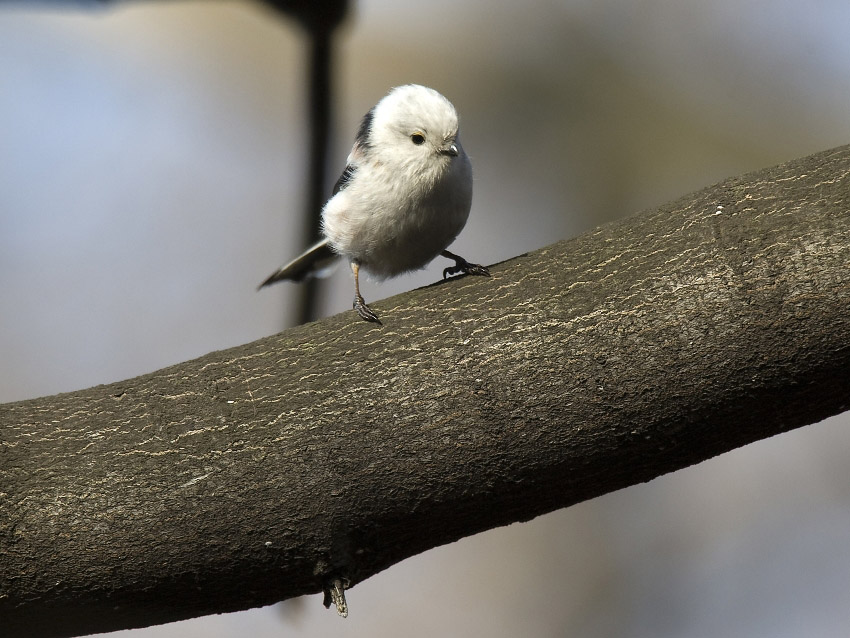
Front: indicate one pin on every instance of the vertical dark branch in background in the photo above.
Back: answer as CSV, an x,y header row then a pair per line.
x,y
319,118
320,19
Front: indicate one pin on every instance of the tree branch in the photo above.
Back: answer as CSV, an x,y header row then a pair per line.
x,y
335,449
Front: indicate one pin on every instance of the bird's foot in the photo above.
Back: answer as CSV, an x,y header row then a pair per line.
x,y
463,266
364,311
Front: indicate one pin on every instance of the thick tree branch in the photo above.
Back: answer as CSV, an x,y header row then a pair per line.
x,y
338,448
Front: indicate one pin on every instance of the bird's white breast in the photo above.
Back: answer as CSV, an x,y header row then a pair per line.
x,y
393,219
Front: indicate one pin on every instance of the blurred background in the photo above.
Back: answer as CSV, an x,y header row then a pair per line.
x,y
153,172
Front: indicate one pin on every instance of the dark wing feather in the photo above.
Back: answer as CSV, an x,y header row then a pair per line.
x,y
362,139
362,144
345,178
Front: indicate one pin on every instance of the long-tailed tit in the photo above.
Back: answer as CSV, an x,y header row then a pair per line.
x,y
402,198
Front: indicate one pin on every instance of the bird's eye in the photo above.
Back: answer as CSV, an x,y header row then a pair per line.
x,y
417,138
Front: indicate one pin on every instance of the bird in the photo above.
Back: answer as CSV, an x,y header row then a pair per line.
x,y
402,199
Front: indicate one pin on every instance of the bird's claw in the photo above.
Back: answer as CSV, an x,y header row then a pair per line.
x,y
463,266
364,311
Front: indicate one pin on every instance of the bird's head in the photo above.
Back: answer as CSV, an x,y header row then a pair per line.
x,y
414,127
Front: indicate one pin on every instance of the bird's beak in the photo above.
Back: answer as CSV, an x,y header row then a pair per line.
x,y
451,149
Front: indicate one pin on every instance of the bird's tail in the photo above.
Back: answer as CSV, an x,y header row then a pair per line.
x,y
317,261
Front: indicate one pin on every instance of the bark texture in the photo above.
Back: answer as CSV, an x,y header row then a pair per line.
x,y
338,448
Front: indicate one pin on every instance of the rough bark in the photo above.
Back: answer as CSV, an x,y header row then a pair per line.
x,y
338,448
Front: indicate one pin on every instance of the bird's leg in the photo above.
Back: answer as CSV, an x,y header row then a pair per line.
x,y
360,306
463,266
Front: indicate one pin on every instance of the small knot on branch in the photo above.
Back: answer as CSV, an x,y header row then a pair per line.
x,y
335,593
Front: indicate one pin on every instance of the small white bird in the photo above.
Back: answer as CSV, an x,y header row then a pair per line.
x,y
402,198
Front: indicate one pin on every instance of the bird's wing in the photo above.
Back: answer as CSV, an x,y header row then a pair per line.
x,y
358,152
314,262
345,178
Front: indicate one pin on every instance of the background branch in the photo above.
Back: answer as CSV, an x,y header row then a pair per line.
x,y
338,448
